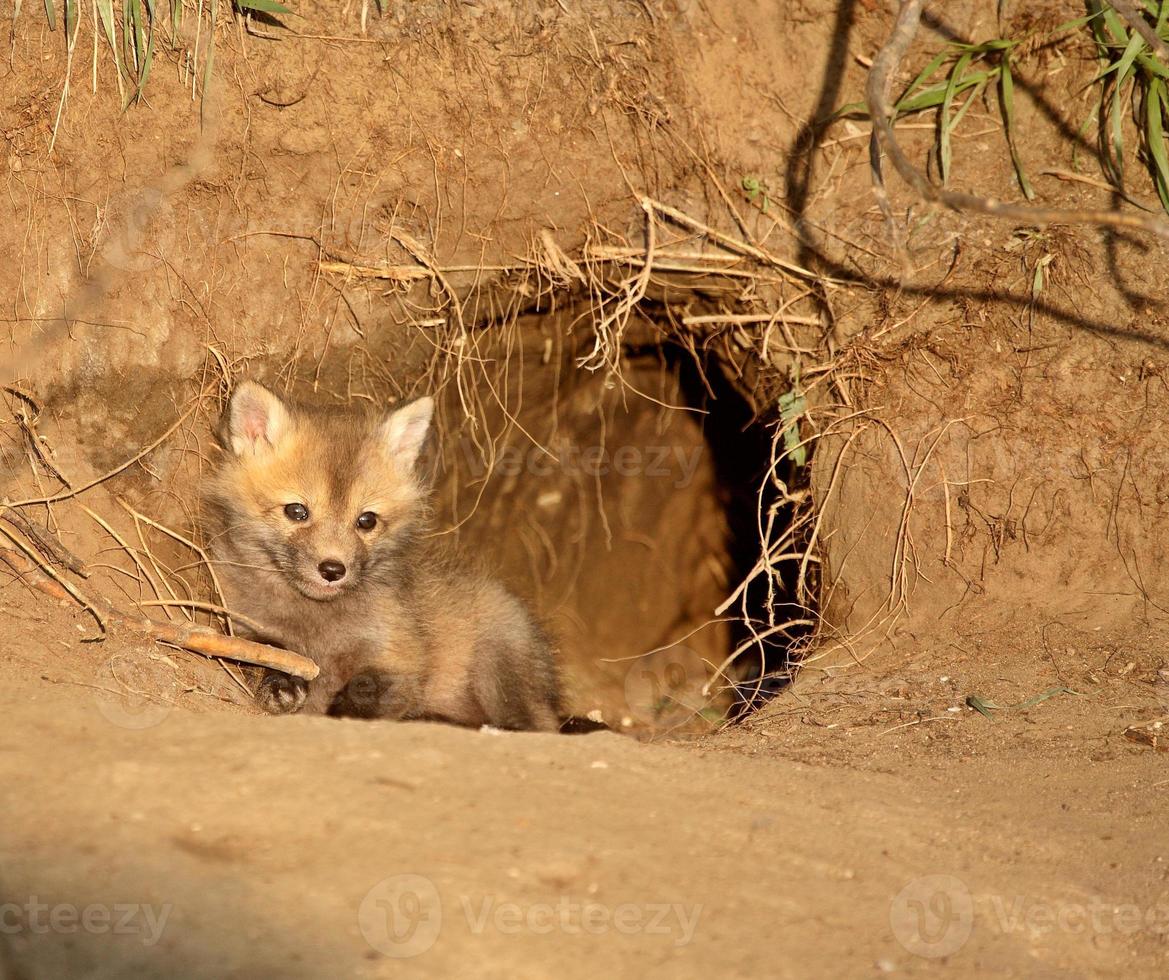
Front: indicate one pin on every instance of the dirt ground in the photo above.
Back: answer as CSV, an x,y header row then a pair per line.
x,y
969,773
871,824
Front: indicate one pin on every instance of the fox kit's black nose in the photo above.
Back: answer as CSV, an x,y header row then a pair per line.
x,y
331,571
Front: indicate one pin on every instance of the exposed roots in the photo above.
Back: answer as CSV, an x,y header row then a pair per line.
x,y
765,319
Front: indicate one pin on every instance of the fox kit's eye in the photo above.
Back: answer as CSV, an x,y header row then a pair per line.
x,y
367,520
296,512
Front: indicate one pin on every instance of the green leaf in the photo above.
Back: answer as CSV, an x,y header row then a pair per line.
x,y
1131,50
1155,100
932,97
135,35
51,14
1116,128
1114,25
945,120
264,6
925,73
792,405
974,97
1152,65
208,66
1037,279
105,10
142,38
1049,693
1007,94
984,706
981,705
147,62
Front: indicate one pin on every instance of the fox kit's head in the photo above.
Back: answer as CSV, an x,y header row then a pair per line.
x,y
328,499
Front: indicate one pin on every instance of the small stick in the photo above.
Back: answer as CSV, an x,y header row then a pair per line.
x,y
143,571
34,443
159,577
27,555
189,543
198,639
46,543
211,607
747,318
733,244
919,721
398,273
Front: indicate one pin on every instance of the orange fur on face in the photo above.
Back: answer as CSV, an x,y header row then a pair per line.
x,y
397,629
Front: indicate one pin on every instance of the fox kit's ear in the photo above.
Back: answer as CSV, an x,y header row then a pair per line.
x,y
404,431
256,420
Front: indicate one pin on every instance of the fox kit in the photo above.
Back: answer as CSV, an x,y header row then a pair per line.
x,y
317,524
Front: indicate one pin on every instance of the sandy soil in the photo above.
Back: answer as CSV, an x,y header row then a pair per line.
x,y
866,826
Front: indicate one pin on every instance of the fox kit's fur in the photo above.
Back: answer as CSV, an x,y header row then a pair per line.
x,y
317,521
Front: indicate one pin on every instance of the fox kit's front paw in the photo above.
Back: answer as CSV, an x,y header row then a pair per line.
x,y
281,694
